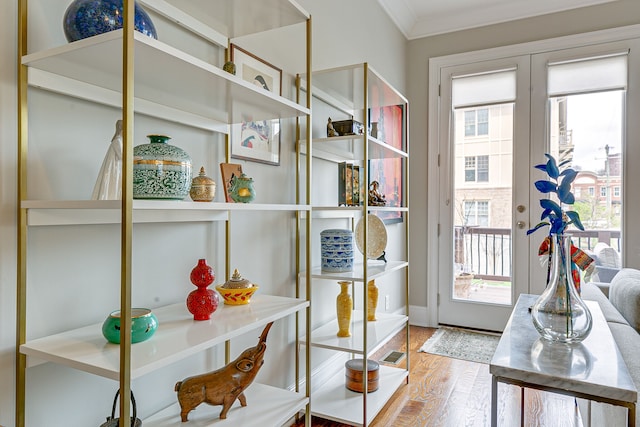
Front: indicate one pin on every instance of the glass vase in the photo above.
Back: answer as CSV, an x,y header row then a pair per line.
x,y
559,314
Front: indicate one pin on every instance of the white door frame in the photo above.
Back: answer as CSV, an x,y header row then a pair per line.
x,y
631,238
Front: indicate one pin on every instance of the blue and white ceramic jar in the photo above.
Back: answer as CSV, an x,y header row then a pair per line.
x,y
336,249
160,170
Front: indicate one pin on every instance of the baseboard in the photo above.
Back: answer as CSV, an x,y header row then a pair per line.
x,y
324,371
418,316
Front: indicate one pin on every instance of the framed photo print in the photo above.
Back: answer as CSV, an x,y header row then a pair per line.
x,y
257,141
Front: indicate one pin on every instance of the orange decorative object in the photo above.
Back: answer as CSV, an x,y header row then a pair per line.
x,y
372,300
344,306
224,386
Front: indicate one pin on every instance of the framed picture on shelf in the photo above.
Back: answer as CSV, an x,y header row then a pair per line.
x,y
228,172
257,141
389,172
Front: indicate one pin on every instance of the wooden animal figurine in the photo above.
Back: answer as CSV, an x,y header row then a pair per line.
x,y
224,386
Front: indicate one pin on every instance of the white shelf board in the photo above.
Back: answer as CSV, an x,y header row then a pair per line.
x,y
333,401
165,76
86,212
242,17
77,89
266,406
375,269
378,333
349,148
329,212
178,336
334,83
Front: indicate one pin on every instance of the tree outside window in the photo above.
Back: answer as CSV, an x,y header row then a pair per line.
x,y
476,213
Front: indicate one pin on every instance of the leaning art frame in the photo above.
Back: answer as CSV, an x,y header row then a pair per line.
x,y
390,172
257,141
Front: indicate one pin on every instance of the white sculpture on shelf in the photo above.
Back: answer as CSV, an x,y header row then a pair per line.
x,y
109,183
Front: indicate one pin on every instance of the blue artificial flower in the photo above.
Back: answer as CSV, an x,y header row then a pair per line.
x,y
560,184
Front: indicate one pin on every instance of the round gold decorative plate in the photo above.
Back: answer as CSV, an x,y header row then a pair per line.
x,y
377,236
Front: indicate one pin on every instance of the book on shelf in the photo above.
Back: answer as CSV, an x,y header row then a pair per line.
x,y
349,186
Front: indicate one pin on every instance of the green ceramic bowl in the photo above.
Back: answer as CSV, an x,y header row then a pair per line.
x,y
143,325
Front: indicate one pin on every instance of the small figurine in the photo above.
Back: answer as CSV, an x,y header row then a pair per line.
x,y
241,190
375,198
229,67
224,386
330,130
109,183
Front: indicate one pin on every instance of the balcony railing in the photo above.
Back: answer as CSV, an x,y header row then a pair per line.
x,y
487,251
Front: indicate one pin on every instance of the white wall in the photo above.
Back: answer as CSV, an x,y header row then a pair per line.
x,y
610,15
67,131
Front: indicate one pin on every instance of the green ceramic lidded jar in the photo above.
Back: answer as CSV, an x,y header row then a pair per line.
x,y
143,325
160,170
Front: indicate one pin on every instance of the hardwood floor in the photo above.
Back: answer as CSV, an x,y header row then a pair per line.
x,y
452,393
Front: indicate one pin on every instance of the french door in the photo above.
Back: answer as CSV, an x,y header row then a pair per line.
x,y
484,159
497,119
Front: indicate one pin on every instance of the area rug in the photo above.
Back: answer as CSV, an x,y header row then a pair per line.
x,y
462,344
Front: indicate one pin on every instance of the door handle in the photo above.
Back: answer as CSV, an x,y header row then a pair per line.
x,y
521,224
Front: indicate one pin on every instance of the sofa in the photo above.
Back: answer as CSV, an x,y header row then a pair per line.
x,y
620,304
606,263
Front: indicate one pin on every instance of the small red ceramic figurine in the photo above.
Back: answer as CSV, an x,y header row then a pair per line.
x,y
202,302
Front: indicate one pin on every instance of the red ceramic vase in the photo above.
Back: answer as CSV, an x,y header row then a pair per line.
x,y
202,302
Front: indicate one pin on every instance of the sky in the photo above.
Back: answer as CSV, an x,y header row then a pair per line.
x,y
596,121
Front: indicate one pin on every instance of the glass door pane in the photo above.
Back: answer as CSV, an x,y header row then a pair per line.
x,y
483,194
587,131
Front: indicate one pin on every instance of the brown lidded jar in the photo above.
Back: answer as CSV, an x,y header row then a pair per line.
x,y
353,375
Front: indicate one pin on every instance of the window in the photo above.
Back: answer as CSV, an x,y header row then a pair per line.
x,y
483,168
476,122
616,191
592,191
469,169
603,191
476,169
476,213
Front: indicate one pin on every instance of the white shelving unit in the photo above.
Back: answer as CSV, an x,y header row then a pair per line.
x,y
355,91
173,86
